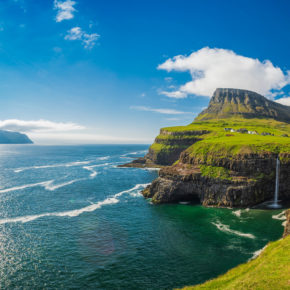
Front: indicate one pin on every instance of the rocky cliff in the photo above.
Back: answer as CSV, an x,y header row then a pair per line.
x,y
9,137
227,103
227,156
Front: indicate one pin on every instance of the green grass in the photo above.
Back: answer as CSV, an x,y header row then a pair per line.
x,y
219,143
215,172
271,270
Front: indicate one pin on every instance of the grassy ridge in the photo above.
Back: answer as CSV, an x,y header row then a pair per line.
x,y
271,270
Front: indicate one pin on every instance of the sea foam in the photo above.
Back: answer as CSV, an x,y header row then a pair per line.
x,y
226,229
281,216
76,212
70,164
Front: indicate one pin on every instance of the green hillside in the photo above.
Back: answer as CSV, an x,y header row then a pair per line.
x,y
271,270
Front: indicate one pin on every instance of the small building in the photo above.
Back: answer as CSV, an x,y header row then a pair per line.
x,y
233,130
243,130
253,132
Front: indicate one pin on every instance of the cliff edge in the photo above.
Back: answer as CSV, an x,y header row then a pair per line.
x,y
226,157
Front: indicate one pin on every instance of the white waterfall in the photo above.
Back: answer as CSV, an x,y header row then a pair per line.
x,y
277,182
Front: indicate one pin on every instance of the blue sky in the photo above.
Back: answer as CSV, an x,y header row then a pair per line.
x,y
104,71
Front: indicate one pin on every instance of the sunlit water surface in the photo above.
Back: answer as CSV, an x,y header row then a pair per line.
x,y
69,218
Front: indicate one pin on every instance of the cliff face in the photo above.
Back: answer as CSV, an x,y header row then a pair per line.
x,y
227,103
227,156
240,182
8,137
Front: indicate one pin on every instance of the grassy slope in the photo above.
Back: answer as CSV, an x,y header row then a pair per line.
x,y
271,270
221,143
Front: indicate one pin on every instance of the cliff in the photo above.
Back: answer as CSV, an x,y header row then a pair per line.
x,y
9,137
227,156
227,103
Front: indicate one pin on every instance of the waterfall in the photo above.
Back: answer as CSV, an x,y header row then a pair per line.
x,y
277,183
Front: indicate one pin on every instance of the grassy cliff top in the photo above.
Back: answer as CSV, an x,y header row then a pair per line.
x,y
222,143
271,270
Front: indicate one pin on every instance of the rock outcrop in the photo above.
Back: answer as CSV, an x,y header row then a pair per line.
x,y
250,180
227,103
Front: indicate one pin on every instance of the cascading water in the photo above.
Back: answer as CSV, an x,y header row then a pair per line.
x,y
277,182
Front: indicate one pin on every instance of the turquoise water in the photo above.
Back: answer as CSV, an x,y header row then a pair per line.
x,y
69,218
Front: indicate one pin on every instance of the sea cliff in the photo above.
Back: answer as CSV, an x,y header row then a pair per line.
x,y
226,157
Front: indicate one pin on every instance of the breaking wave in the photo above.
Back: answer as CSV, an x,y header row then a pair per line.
x,y
226,229
76,212
15,188
91,169
70,164
237,212
48,185
257,253
281,216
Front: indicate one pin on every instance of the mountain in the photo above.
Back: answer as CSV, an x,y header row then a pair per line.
x,y
9,137
228,103
226,157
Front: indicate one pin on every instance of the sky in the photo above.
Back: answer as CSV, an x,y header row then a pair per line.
x,y
89,72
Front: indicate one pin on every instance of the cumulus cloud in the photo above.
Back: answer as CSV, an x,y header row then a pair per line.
x,y
160,111
284,101
174,94
37,126
65,10
218,68
88,40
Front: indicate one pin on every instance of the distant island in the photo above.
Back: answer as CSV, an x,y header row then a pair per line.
x,y
9,137
227,157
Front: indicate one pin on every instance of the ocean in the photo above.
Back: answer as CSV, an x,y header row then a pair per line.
x,y
71,219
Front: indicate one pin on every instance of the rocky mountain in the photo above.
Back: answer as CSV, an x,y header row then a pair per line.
x,y
226,157
9,137
226,103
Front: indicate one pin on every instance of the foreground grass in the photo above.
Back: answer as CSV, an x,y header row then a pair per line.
x,y
271,270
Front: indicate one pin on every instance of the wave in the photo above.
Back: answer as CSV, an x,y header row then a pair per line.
x,y
70,213
15,188
280,216
91,169
70,164
226,229
76,212
48,185
103,158
237,213
257,253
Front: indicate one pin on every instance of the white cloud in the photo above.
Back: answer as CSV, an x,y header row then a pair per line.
x,y
88,40
160,111
222,68
284,101
38,126
65,10
174,94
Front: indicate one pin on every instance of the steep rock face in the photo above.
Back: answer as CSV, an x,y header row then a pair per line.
x,y
242,188
8,137
227,103
167,147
